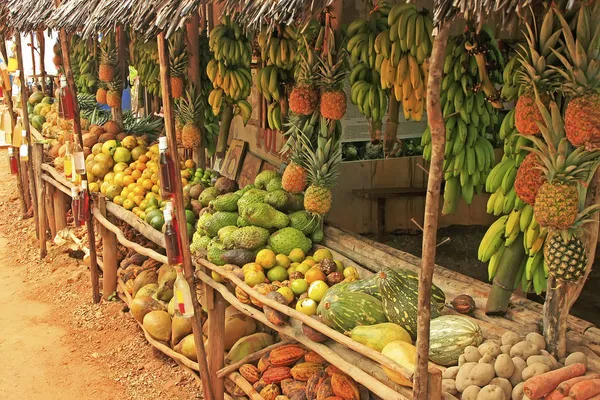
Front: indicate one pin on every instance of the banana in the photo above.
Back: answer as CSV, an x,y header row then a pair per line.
x,y
492,240
495,262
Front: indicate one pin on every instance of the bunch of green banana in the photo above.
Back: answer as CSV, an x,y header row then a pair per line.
x,y
145,61
83,66
366,92
279,50
402,54
362,34
229,70
469,115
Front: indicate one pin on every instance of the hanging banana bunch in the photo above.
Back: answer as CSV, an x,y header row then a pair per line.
x,y
83,65
517,222
469,114
278,49
229,70
363,40
211,122
145,61
402,57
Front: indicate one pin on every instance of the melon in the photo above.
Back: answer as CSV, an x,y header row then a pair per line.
x,y
37,122
449,336
158,325
141,306
38,108
35,98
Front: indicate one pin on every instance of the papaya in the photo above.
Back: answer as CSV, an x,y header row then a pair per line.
x,y
148,290
145,277
379,335
236,327
166,280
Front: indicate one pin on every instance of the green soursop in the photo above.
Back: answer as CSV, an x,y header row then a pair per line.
x,y
265,216
225,231
218,221
304,221
226,202
215,252
274,184
277,199
207,195
248,237
251,196
317,236
199,242
246,188
204,218
262,180
287,239
243,222
295,202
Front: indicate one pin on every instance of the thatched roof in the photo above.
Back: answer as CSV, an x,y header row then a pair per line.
x,y
71,15
30,15
153,16
108,14
5,21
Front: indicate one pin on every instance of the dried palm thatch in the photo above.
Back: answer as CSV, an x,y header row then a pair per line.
x,y
108,14
6,29
71,15
255,14
30,15
153,16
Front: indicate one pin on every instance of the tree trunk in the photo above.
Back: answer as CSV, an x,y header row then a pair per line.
x,y
432,205
226,118
504,281
391,127
42,49
194,77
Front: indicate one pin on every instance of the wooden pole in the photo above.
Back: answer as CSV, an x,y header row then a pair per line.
x,y
432,205
13,122
42,50
49,192
163,54
64,42
194,76
38,155
109,255
216,350
226,118
117,112
32,38
26,126
61,207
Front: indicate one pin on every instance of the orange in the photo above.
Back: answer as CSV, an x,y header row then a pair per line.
x,y
154,178
189,164
128,171
141,167
136,174
139,190
130,196
125,192
143,159
149,154
184,182
131,186
148,184
128,179
138,199
155,189
128,204
118,200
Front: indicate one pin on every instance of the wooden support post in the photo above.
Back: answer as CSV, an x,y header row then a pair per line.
x,y
216,337
64,42
32,38
13,122
109,254
48,200
38,155
61,207
194,76
25,184
26,126
42,50
226,118
117,112
163,54
432,205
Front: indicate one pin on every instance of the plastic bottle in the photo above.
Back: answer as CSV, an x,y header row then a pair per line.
x,y
84,203
67,107
68,160
24,148
78,158
75,205
167,169
183,295
172,242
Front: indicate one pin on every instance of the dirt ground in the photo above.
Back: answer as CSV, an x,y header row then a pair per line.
x,y
460,254
54,342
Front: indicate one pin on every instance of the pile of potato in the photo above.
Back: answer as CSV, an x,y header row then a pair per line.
x,y
498,368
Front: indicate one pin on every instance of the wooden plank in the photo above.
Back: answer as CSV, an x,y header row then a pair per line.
x,y
216,340
57,185
141,226
61,207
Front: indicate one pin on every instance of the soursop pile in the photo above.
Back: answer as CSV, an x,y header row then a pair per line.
x,y
285,240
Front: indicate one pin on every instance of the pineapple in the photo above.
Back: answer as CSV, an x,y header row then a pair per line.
x,y
582,80
534,73
557,200
190,111
332,72
101,95
113,95
529,179
565,255
304,98
178,64
108,59
323,169
294,177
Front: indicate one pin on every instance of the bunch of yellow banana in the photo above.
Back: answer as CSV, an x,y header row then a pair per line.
x,y
366,92
363,33
279,50
83,66
244,109
229,70
146,63
469,115
274,116
402,54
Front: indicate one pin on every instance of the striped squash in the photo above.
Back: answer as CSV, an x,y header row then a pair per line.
x,y
343,311
450,335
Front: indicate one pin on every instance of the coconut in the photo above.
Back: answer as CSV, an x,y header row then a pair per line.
x,y
180,328
187,347
145,277
112,127
89,139
147,290
105,137
166,280
141,306
195,191
225,185
158,325
236,327
121,136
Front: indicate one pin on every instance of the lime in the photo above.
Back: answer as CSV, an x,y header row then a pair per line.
x,y
277,273
151,214
157,221
299,286
190,230
190,217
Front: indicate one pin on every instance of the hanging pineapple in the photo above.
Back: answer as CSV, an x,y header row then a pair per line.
x,y
535,58
190,111
582,115
108,59
113,95
178,64
101,94
332,73
304,98
565,254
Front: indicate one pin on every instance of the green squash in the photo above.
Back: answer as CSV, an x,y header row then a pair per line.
x,y
450,335
343,310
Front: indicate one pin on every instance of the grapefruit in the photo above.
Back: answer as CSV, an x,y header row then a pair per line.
x,y
121,154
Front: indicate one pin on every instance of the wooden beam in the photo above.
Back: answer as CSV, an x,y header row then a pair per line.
x,y
432,208
216,348
61,207
50,208
32,38
163,54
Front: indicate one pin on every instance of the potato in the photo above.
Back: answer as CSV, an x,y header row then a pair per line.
x,y
540,359
462,360
551,357
504,384
575,358
471,393
462,378
491,392
449,385
491,348
510,338
536,339
482,374
504,366
517,376
517,392
472,354
450,373
448,396
487,359
534,370
505,348
524,350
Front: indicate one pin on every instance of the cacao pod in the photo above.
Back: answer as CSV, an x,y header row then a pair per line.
x,y
463,303
324,390
289,386
298,395
286,355
264,363
303,371
313,383
258,386
343,386
312,356
276,374
275,317
250,373
282,397
264,289
270,392
242,296
332,369
313,334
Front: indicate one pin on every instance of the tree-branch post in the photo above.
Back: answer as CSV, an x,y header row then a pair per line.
x,y
432,205
42,49
194,77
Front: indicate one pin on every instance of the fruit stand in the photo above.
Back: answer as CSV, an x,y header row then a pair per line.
x,y
281,304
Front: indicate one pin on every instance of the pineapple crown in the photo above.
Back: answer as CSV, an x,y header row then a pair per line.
x,y
177,55
559,161
108,50
190,106
333,65
115,85
298,125
307,67
538,54
323,166
582,63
